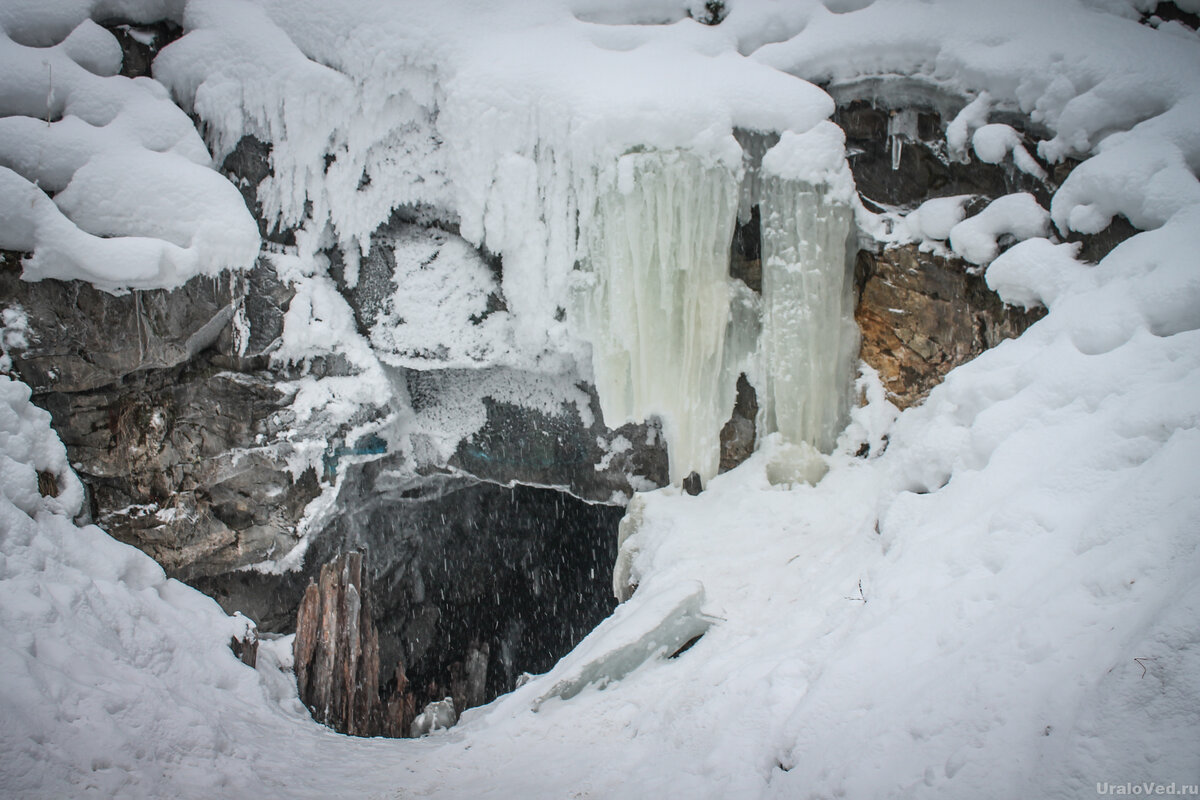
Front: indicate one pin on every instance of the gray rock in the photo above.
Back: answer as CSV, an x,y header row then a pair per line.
x,y
185,464
173,425
82,338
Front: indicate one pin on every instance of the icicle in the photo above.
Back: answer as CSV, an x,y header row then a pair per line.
x,y
754,146
671,331
809,339
656,305
902,125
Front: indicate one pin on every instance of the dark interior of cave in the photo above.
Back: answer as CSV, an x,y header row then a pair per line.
x,y
457,567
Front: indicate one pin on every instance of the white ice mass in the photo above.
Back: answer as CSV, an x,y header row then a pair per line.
x,y
1001,601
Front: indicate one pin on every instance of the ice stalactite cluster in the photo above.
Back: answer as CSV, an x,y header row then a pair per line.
x,y
656,302
809,338
671,331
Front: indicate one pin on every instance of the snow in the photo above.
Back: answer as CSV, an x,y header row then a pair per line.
x,y
1036,272
438,314
974,115
934,219
102,177
119,682
14,334
998,600
994,141
1019,215
1094,80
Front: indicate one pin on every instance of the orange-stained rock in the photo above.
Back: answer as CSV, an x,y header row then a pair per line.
x,y
921,315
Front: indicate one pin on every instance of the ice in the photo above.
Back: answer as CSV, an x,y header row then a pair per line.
x,y
656,627
809,337
654,301
901,127
670,332
241,72
436,716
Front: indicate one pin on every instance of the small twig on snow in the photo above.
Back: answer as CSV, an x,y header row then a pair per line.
x,y
862,598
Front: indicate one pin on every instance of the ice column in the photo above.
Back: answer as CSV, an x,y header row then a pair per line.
x,y
809,339
655,301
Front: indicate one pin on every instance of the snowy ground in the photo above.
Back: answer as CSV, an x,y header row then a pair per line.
x,y
1000,602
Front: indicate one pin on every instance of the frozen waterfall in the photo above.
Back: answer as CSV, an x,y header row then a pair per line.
x,y
671,330
809,339
656,303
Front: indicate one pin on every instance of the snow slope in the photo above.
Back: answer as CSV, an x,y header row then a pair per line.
x,y
999,602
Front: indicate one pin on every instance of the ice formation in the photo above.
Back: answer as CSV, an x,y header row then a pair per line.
x,y
810,340
660,626
671,331
656,301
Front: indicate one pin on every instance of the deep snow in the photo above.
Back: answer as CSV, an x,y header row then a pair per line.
x,y
999,602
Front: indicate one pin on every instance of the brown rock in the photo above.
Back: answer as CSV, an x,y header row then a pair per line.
x,y
921,315
336,650
739,434
246,647
401,707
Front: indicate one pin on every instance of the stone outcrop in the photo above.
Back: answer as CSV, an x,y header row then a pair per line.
x,y
484,582
246,647
336,649
336,656
172,466
740,434
921,315
528,446
82,338
176,429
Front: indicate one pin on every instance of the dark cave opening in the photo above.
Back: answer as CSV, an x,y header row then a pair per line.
x,y
461,573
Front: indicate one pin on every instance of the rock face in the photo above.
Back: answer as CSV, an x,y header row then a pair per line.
x,y
336,649
923,169
474,583
593,462
739,435
921,315
462,369
484,582
83,338
175,435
